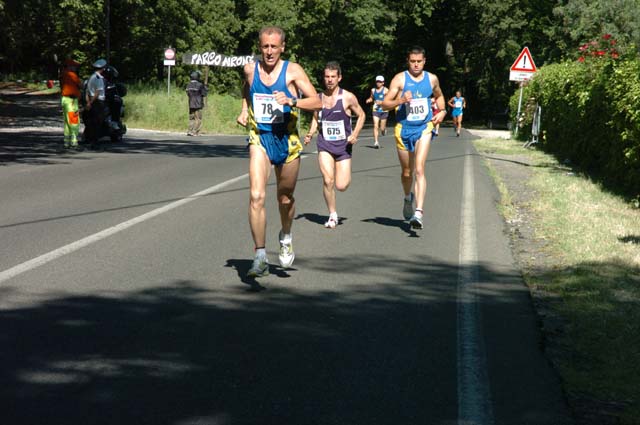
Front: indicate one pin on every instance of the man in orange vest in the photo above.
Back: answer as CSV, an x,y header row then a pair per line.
x,y
70,84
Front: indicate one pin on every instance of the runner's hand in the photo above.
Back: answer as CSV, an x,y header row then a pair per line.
x,y
243,118
281,98
307,139
439,117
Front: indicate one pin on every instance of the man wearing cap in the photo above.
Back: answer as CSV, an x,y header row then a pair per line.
x,y
95,105
379,115
70,85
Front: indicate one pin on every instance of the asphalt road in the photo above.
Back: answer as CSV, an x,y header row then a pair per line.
x,y
123,297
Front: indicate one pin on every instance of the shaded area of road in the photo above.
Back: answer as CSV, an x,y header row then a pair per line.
x,y
183,353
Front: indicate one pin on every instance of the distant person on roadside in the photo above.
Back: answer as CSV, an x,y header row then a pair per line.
x,y
336,137
411,91
70,85
458,103
196,91
379,115
95,103
270,112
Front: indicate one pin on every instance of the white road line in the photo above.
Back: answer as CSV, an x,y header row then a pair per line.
x,y
67,249
474,396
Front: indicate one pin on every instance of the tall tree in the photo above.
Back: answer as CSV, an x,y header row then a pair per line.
x,y
580,21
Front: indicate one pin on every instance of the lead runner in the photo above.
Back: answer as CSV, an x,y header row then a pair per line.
x,y
410,91
268,110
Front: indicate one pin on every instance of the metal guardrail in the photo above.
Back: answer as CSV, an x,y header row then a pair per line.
x,y
535,127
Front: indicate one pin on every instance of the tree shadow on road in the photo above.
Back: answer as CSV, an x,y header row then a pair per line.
x,y
187,352
45,147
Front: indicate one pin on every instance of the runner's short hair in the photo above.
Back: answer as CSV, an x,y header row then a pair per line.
x,y
333,66
272,30
416,50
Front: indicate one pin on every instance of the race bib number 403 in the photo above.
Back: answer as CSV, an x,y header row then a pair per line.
x,y
266,110
333,130
418,109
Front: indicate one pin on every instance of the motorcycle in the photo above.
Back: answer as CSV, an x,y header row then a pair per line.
x,y
111,124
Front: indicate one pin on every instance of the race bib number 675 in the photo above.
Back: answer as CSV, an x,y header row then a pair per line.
x,y
333,130
266,110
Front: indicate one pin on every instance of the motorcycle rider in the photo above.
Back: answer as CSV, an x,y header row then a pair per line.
x,y
95,102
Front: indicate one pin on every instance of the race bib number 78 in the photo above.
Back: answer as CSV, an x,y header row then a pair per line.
x,y
266,110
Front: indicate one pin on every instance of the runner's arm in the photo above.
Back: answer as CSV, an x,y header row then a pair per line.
x,y
394,96
302,84
439,97
356,109
370,99
312,129
243,117
450,103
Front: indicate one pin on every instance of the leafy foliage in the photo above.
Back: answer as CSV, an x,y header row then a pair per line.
x,y
470,43
591,115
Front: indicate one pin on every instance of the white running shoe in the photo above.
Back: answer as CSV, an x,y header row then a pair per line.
x,y
260,267
416,222
332,222
286,255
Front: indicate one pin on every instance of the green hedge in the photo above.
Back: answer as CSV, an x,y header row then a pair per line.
x,y
590,117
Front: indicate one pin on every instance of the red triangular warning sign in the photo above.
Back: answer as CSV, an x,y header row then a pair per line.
x,y
524,63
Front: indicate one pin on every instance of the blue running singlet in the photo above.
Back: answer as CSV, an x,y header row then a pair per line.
x,y
457,106
414,119
273,126
378,96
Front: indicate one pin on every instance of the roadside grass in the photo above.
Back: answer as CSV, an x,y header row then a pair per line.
x,y
593,238
149,106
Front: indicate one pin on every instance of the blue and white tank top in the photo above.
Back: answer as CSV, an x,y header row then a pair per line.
x,y
418,112
377,96
265,113
458,102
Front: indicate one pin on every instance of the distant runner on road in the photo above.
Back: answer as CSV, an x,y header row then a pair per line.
x,y
410,91
268,110
458,103
336,137
379,115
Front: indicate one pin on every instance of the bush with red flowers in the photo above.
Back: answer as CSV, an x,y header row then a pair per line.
x,y
602,48
591,112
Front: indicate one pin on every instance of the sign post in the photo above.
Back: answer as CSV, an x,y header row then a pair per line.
x,y
169,61
522,70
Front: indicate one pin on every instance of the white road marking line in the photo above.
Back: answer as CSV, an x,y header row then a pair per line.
x,y
67,249
474,396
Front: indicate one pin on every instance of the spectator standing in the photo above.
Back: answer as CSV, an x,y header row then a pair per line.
x,y
95,103
196,91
